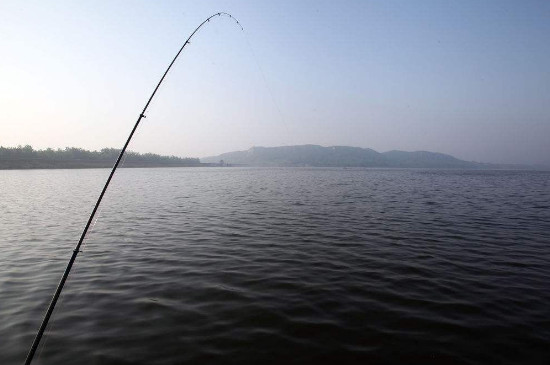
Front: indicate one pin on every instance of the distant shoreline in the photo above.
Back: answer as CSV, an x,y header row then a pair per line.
x,y
534,169
74,165
26,158
348,157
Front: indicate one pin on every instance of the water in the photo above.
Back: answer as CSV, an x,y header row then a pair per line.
x,y
296,265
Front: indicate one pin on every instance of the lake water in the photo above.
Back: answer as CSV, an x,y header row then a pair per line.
x,y
287,266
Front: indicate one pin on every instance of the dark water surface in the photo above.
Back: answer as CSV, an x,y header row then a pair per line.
x,y
287,266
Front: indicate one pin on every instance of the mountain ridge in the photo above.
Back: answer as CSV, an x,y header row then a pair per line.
x,y
345,156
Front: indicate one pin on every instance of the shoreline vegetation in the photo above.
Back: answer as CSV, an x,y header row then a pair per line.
x,y
26,157
21,158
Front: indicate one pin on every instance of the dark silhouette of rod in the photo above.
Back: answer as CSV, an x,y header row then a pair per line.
x,y
57,293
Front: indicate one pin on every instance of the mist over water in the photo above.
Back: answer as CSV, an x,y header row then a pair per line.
x,y
280,265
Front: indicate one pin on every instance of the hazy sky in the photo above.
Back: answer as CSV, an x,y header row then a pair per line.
x,y
468,78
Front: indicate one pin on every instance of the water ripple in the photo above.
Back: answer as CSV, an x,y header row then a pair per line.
x,y
294,266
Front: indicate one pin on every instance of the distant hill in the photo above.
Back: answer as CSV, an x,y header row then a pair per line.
x,y
342,156
429,160
71,157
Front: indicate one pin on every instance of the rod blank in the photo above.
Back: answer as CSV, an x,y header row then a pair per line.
x,y
57,293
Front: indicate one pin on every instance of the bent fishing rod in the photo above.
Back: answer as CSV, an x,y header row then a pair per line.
x,y
57,293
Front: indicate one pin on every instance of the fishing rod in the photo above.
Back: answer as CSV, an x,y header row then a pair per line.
x,y
57,293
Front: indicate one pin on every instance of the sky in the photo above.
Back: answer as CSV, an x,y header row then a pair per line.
x,y
466,78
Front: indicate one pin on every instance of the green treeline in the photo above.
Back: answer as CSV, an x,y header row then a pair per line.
x,y
71,157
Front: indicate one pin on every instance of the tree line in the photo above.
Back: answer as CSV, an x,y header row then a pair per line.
x,y
73,157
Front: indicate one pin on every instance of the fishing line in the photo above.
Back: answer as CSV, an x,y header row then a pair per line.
x,y
51,328
266,84
87,238
61,284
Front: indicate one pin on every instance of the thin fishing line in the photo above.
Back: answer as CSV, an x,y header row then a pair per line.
x,y
124,158
266,84
53,326
76,250
91,231
101,207
89,235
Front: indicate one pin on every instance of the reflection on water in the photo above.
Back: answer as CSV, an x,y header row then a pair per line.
x,y
296,265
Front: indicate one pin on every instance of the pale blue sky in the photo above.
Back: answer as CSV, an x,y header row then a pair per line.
x,y
468,78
